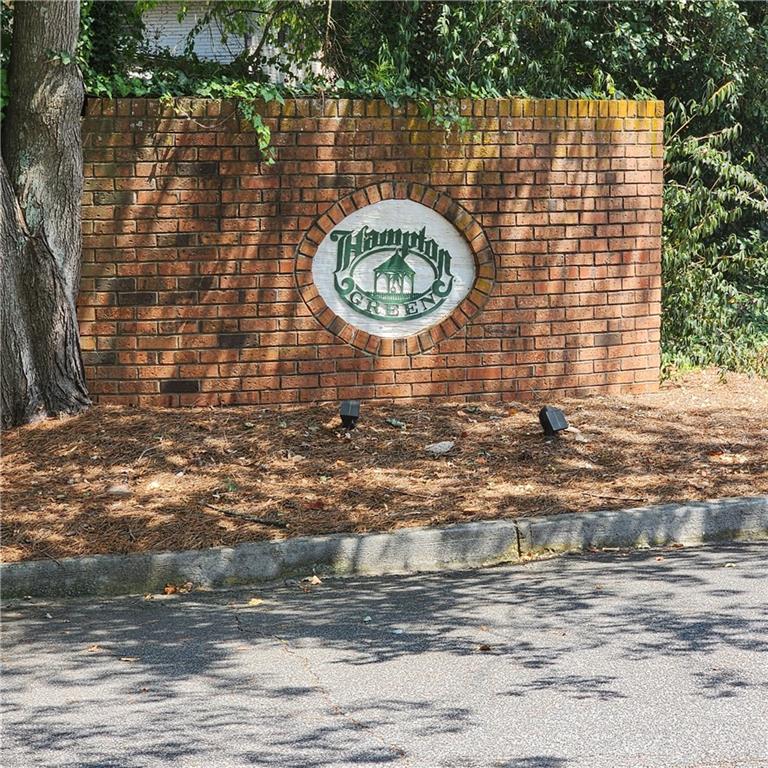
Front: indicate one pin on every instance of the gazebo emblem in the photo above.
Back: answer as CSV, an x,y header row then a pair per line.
x,y
392,274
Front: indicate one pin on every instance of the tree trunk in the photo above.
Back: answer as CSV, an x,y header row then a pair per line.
x,y
41,175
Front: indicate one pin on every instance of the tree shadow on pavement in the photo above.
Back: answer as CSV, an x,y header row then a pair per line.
x,y
345,672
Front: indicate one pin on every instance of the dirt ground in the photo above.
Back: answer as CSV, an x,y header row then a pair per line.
x,y
125,480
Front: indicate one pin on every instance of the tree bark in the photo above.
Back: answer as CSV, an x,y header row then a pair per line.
x,y
41,179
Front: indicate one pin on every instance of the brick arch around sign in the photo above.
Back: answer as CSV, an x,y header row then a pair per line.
x,y
462,220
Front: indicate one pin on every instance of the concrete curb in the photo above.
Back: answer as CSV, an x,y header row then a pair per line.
x,y
410,550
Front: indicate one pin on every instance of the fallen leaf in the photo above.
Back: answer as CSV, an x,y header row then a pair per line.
x,y
484,647
314,580
170,589
93,648
255,601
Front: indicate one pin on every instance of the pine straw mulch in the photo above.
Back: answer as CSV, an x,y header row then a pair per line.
x,y
697,438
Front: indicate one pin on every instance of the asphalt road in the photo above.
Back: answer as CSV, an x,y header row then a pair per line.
x,y
612,661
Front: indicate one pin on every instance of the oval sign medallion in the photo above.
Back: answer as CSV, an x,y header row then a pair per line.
x,y
393,268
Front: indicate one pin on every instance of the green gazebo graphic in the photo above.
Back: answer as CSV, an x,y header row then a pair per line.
x,y
393,278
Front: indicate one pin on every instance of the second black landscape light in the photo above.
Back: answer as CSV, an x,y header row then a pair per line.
x,y
552,420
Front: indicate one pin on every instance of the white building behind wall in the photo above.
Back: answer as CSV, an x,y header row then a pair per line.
x,y
164,32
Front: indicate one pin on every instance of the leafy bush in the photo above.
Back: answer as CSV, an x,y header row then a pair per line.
x,y
111,36
715,259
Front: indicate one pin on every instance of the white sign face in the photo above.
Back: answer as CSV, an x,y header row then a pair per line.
x,y
393,268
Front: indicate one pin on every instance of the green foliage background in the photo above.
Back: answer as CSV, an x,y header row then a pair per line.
x,y
705,58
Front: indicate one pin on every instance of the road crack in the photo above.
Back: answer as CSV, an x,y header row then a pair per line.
x,y
333,705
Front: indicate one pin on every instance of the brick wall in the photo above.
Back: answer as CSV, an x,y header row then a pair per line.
x,y
191,288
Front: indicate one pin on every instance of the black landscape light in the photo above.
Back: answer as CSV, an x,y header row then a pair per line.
x,y
350,413
552,420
